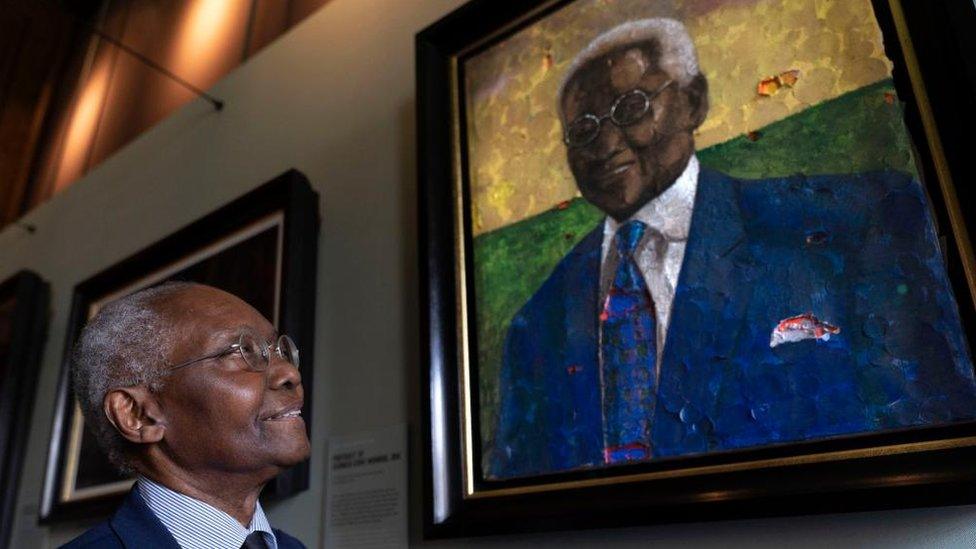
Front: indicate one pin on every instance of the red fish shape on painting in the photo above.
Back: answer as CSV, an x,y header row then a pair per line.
x,y
802,327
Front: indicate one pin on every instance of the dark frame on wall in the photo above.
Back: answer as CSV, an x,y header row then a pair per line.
x,y
263,247
24,306
893,469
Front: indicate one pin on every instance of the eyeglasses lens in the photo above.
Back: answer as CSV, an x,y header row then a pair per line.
x,y
630,108
582,131
258,355
288,350
253,353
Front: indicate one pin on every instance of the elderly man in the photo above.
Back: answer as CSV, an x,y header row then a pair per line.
x,y
190,388
708,313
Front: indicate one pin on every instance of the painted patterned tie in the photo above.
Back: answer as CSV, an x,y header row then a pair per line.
x,y
629,352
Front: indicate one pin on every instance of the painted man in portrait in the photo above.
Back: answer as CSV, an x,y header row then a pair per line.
x,y
708,313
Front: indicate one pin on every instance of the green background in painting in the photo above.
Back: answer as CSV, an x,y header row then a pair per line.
x,y
860,131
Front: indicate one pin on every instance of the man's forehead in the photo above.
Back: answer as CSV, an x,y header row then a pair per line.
x,y
204,314
204,304
646,55
620,69
190,297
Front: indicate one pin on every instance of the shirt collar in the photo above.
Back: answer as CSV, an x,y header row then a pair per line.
x,y
670,212
197,525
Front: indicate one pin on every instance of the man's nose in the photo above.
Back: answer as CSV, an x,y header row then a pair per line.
x,y
283,374
609,142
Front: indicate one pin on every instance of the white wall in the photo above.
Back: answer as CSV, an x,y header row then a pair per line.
x,y
335,99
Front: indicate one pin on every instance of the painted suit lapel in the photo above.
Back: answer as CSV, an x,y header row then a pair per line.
x,y
579,403
706,317
700,343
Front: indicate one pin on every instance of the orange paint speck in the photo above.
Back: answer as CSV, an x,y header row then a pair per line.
x,y
547,62
767,87
789,78
771,85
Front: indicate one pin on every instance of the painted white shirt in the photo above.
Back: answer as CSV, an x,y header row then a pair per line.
x,y
660,253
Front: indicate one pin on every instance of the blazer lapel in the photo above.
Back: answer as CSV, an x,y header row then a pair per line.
x,y
578,376
138,527
715,251
707,314
583,290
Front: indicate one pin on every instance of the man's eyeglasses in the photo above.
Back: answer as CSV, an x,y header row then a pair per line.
x,y
626,110
257,355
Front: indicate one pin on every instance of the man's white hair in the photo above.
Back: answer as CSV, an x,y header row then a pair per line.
x,y
677,51
124,345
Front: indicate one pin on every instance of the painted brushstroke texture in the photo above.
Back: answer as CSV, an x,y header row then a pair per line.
x,y
900,362
511,263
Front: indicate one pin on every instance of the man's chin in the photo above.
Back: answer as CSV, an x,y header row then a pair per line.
x,y
623,211
615,207
622,201
287,446
295,453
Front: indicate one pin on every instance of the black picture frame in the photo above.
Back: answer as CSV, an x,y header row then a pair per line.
x,y
23,324
280,217
934,74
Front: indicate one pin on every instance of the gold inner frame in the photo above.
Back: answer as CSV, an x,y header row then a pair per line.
x,y
956,221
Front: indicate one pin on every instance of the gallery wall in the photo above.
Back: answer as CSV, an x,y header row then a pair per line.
x,y
335,99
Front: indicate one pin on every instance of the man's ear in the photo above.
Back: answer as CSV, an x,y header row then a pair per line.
x,y
135,413
697,93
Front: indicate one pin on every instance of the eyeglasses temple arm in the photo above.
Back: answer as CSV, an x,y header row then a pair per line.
x,y
233,348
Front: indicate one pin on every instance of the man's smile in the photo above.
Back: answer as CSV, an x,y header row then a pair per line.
x,y
295,414
606,176
290,412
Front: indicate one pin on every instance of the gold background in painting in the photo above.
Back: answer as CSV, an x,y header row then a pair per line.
x,y
517,164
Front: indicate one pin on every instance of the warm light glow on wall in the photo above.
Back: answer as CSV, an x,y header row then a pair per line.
x,y
82,126
207,29
118,96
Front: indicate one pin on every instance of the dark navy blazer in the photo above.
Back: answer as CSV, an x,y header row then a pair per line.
x,y
134,526
859,251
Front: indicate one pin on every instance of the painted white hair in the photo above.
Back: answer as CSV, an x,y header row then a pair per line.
x,y
124,345
678,57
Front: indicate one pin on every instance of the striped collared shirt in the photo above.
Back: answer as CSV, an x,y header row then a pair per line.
x,y
196,525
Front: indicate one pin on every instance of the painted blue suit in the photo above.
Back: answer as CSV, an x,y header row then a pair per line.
x,y
859,251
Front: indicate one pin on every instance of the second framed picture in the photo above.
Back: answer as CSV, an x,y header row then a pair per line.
x,y
262,248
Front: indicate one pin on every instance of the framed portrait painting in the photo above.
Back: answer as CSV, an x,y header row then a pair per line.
x,y
261,248
23,321
693,259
